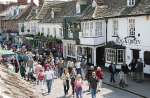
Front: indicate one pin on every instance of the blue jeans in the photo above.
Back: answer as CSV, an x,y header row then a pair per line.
x,y
93,92
79,94
49,85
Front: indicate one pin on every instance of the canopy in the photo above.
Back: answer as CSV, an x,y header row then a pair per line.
x,y
6,52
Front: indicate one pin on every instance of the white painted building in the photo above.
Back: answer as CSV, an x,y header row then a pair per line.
x,y
92,40
51,29
128,34
133,33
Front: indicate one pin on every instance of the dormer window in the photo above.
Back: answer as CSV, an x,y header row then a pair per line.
x,y
130,3
52,13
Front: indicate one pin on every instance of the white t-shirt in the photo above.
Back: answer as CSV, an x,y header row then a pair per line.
x,y
78,65
49,75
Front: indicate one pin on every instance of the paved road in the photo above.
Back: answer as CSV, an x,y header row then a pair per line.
x,y
107,92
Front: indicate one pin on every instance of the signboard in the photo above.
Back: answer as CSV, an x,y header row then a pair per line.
x,y
128,41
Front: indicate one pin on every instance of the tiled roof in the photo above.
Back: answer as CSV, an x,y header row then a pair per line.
x,y
113,8
65,9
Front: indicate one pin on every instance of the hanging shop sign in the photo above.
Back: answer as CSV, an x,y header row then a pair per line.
x,y
128,41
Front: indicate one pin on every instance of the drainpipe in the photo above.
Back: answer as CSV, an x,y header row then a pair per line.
x,y
106,20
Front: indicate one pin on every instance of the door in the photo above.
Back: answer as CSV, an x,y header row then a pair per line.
x,y
135,54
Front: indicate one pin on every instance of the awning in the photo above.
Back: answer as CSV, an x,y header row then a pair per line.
x,y
6,52
112,44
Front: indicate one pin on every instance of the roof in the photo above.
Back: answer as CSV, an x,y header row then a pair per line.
x,y
117,8
23,12
62,10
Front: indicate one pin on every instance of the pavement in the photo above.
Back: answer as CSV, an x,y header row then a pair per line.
x,y
140,89
106,92
109,90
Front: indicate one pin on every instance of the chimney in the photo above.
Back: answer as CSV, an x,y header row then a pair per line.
x,y
22,2
100,2
41,2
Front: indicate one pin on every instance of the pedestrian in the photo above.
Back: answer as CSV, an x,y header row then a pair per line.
x,y
89,74
73,77
49,76
22,69
100,77
112,70
125,69
93,84
139,70
78,86
78,67
65,77
41,78
133,69
122,79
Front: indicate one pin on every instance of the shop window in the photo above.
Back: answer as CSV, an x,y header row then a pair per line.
x,y
147,57
116,56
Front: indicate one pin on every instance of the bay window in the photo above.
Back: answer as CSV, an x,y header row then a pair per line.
x,y
116,56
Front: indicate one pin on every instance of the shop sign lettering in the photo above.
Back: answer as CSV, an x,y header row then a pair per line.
x,y
128,41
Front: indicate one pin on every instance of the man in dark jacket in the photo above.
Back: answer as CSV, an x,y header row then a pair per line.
x,y
93,84
89,74
112,70
125,69
139,71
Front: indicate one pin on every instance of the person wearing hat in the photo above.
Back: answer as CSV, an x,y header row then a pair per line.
x,y
93,84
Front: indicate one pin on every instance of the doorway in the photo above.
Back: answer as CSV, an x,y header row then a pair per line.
x,y
135,54
100,61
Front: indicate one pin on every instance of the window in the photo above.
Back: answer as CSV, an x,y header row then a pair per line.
x,y
120,55
91,28
115,28
147,57
48,31
54,32
71,50
131,2
60,32
131,27
70,34
87,28
98,30
42,30
115,55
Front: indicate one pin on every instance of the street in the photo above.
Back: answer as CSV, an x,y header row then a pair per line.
x,y
107,92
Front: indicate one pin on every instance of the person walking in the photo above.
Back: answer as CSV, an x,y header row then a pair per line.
x,y
73,77
41,78
139,70
100,76
22,70
112,70
65,77
93,84
89,74
125,69
78,86
49,76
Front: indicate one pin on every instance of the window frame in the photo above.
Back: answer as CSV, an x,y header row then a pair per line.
x,y
111,54
98,28
115,27
131,27
130,3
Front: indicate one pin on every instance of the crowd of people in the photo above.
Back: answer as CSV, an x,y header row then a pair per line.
x,y
44,68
